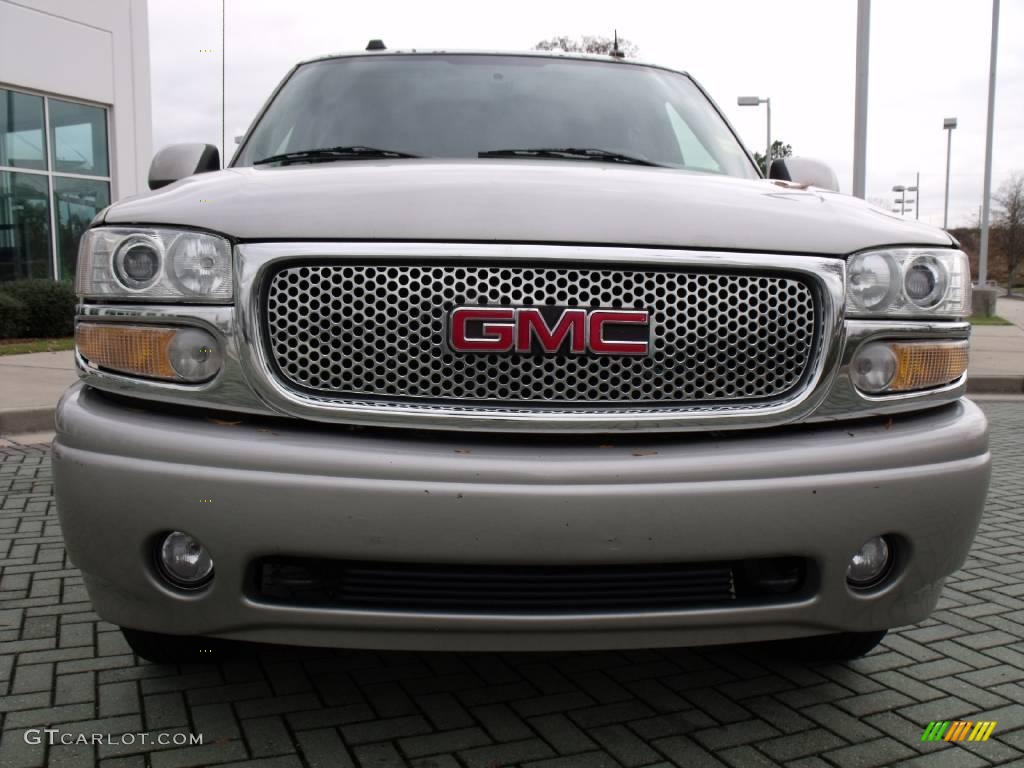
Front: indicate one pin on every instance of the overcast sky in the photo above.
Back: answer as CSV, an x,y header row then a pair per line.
x,y
929,60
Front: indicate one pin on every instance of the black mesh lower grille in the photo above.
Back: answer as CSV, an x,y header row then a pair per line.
x,y
409,587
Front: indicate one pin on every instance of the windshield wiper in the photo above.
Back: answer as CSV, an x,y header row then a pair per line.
x,y
325,154
571,153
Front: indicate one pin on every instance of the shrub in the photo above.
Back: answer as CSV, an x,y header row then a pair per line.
x,y
49,306
12,317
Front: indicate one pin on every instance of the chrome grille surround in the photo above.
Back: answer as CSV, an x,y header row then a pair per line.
x,y
378,330
257,265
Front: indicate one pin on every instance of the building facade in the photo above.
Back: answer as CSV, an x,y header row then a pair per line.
x,y
75,124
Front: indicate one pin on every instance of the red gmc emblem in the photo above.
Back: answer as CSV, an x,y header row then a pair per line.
x,y
550,330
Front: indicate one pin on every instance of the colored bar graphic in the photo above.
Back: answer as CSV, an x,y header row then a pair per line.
x,y
958,730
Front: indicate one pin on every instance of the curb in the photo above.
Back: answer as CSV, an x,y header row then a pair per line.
x,y
19,420
980,384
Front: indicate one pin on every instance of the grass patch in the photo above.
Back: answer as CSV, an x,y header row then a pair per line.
x,y
982,320
24,346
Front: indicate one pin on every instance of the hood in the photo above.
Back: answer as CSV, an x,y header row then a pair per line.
x,y
536,201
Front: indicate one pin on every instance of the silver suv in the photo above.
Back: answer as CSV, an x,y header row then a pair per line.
x,y
511,352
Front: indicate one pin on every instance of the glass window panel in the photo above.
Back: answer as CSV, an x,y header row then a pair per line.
x,y
24,226
76,202
78,135
695,154
22,139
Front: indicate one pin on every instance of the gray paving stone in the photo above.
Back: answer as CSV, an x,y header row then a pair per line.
x,y
624,745
588,760
323,748
165,710
31,678
267,736
734,734
385,730
215,722
378,756
951,757
801,744
745,757
199,756
561,733
683,751
446,741
505,754
877,753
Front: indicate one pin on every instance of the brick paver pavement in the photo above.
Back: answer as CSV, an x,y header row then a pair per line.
x,y
60,667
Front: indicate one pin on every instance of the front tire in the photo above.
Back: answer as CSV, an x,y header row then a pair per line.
x,y
174,649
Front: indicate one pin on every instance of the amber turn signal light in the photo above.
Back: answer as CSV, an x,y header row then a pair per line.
x,y
155,352
906,366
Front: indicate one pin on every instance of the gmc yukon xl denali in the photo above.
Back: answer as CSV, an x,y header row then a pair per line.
x,y
511,352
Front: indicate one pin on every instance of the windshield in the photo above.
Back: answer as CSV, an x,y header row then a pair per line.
x,y
459,105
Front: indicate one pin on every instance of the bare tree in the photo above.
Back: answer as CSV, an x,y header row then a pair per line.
x,y
1009,217
587,44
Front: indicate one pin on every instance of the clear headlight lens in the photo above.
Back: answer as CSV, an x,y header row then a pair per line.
x,y
873,280
195,262
154,265
137,262
908,282
925,281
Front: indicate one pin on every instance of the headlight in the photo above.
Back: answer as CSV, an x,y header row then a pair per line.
x,y
908,282
154,265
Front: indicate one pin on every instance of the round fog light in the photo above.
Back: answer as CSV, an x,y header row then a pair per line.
x,y
873,368
870,564
194,354
184,561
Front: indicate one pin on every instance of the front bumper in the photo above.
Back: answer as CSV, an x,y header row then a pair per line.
x,y
124,475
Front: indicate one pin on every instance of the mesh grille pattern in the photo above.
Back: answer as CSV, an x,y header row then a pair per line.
x,y
378,331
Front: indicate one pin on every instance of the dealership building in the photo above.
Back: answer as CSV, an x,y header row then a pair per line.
x,y
75,126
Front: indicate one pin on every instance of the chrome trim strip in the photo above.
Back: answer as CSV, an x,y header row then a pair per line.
x,y
254,262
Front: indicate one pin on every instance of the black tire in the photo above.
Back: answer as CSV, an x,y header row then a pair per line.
x,y
174,649
842,646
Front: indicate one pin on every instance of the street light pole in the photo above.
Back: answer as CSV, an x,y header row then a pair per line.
x,y
948,124
983,255
917,196
903,197
860,118
754,101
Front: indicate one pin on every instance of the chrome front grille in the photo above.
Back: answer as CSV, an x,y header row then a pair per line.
x,y
357,331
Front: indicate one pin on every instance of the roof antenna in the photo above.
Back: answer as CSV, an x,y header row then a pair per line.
x,y
615,52
376,45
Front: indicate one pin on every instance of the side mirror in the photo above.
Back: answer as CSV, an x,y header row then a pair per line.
x,y
804,170
180,160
